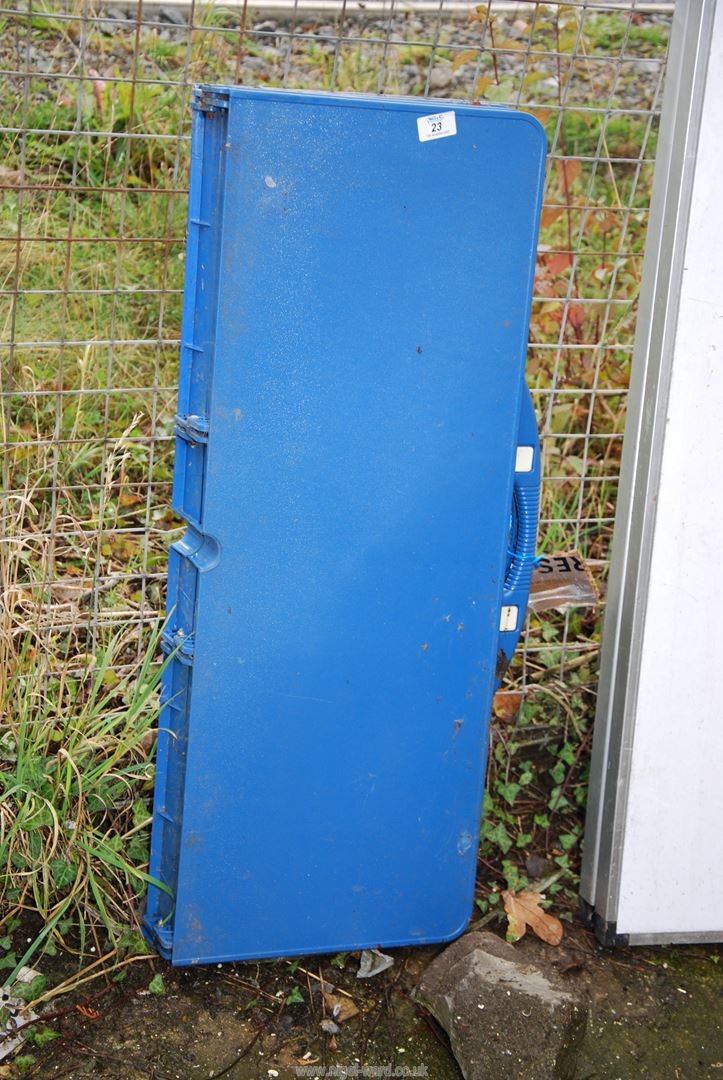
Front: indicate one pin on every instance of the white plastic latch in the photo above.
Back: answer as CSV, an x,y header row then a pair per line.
x,y
525,458
508,617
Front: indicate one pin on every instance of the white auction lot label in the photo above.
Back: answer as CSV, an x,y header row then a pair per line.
x,y
436,126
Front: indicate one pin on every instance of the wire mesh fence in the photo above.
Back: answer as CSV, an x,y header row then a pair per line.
x,y
94,128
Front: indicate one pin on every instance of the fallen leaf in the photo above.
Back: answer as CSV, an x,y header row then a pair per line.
x,y
290,1058
552,308
342,1008
464,57
480,14
523,910
89,1014
541,115
98,89
576,316
550,214
147,740
482,85
506,705
568,170
556,264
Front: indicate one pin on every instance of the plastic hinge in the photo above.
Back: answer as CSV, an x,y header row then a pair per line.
x,y
178,643
194,429
196,551
209,101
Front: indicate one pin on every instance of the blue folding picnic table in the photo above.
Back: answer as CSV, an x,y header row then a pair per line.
x,y
358,465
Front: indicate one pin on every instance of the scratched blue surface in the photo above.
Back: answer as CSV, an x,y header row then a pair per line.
x,y
355,324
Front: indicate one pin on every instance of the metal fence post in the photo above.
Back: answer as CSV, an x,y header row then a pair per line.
x,y
686,156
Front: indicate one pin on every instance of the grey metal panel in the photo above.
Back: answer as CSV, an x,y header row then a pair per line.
x,y
642,454
675,939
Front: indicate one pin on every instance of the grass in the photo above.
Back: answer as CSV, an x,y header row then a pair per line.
x,y
75,782
88,427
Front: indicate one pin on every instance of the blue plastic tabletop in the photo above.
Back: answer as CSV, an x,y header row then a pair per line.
x,y
355,323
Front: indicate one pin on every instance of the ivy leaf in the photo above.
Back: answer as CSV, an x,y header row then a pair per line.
x,y
567,754
558,772
137,849
497,834
509,792
141,813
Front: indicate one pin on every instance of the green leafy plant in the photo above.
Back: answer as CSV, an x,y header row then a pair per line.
x,y
75,779
295,997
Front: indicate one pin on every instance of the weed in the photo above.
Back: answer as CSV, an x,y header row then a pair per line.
x,y
74,791
24,1063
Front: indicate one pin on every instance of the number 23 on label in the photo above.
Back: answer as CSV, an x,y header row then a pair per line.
x,y
436,126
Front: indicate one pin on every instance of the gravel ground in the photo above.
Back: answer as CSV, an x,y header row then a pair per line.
x,y
407,53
